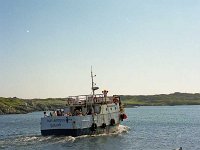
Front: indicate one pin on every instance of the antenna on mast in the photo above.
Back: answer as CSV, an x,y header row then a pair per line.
x,y
93,87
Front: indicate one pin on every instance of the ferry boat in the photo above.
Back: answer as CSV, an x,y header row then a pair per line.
x,y
85,115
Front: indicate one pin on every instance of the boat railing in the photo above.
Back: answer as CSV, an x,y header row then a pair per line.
x,y
83,99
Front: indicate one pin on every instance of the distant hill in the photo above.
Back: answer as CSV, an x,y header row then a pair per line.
x,y
16,105
161,99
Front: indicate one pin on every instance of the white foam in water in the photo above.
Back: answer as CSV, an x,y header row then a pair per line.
x,y
63,139
26,139
23,140
121,129
43,138
70,139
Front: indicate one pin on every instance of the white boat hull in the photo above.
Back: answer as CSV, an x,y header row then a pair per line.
x,y
80,125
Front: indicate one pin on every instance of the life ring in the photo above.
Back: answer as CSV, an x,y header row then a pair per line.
x,y
93,127
123,116
115,100
103,125
112,122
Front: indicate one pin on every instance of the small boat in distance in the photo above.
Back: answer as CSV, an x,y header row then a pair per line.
x,y
85,115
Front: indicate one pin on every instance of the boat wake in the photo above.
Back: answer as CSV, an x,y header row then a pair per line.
x,y
121,129
33,139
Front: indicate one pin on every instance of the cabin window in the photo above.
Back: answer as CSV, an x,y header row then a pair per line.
x,y
106,109
110,108
115,108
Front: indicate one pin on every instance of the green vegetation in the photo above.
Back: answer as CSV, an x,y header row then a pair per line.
x,y
15,105
161,100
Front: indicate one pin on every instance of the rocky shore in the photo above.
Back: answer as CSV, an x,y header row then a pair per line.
x,y
19,106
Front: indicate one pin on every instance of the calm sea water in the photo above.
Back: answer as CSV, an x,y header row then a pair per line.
x,y
147,128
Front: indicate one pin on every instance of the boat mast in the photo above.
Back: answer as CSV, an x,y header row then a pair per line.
x,y
93,84
92,81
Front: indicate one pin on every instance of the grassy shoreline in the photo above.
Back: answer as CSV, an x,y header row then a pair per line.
x,y
162,99
18,106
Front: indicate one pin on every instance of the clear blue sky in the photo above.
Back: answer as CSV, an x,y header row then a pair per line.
x,y
136,47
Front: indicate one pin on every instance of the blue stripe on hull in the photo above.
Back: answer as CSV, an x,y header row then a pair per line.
x,y
78,132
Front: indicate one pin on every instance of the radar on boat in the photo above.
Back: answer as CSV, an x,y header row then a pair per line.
x,y
95,88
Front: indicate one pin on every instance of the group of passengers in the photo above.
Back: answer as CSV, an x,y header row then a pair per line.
x,y
60,112
79,112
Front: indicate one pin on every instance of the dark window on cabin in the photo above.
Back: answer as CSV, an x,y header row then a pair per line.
x,y
110,108
106,109
115,108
